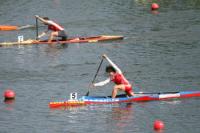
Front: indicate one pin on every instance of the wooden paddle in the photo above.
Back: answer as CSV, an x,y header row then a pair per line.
x,y
87,94
155,92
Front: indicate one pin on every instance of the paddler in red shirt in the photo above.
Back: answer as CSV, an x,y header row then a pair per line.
x,y
57,30
116,76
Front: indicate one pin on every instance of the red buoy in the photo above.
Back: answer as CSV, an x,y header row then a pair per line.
x,y
9,94
154,6
158,125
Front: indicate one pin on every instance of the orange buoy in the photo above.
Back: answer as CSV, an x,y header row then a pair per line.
x,y
9,94
158,125
154,6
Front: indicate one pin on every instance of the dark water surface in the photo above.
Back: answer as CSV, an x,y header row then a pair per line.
x,y
160,52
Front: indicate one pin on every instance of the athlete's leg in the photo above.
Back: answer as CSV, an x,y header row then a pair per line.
x,y
129,90
52,35
116,88
63,35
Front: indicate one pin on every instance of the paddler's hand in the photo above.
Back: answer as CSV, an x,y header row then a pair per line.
x,y
104,56
41,35
92,86
37,16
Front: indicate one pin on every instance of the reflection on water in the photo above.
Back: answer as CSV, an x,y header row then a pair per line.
x,y
122,117
118,116
9,101
9,104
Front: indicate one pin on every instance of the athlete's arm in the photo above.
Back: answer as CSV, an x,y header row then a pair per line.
x,y
41,19
112,64
102,83
42,34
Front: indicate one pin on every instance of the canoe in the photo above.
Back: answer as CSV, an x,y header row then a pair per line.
x,y
92,39
139,97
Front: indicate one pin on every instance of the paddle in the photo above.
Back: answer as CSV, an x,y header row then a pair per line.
x,y
36,21
154,92
87,94
141,92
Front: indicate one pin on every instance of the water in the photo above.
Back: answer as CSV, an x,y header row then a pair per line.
x,y
160,52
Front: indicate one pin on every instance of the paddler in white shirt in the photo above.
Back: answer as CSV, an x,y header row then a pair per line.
x,y
116,76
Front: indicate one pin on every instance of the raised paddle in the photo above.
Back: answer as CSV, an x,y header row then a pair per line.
x,y
36,23
87,94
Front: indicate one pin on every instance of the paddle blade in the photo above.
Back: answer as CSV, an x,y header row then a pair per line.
x,y
87,94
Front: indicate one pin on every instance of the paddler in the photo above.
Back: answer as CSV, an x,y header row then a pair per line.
x,y
116,76
56,30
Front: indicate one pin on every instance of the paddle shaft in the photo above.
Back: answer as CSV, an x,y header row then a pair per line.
x,y
154,92
97,70
36,21
87,94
